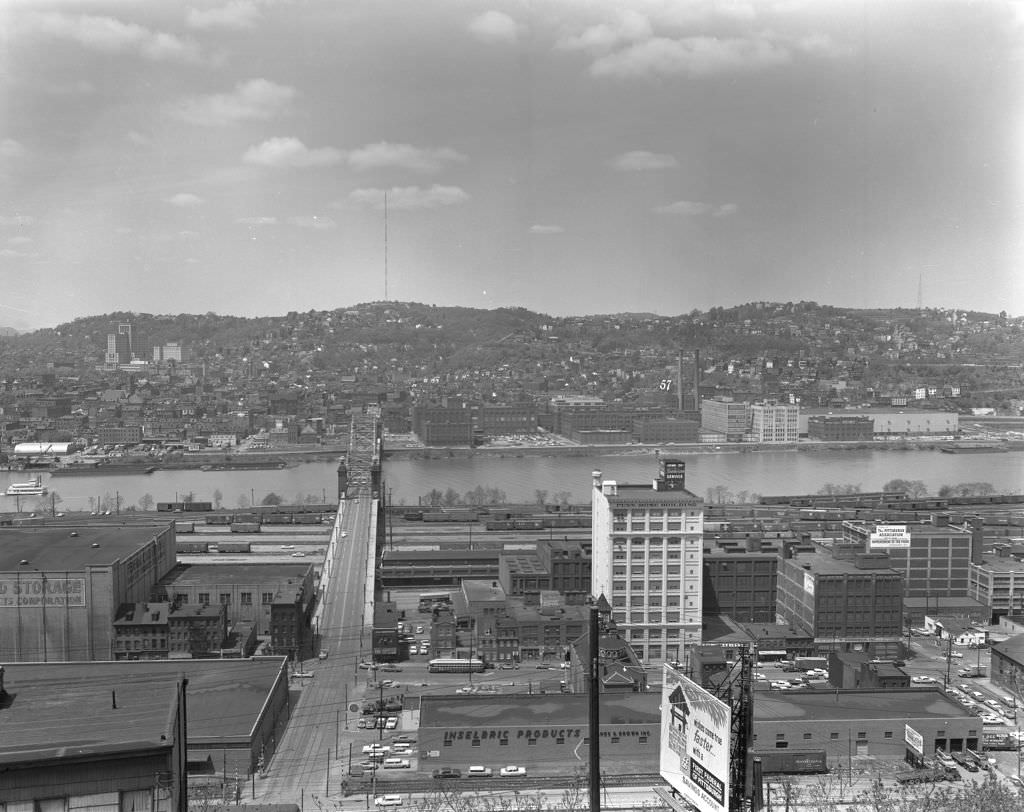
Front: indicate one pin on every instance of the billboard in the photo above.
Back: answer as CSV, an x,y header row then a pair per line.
x,y
808,583
913,739
889,536
695,742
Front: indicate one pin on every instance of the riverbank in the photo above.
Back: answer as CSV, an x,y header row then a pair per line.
x,y
641,449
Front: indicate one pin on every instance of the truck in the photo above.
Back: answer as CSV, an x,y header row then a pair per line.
x,y
928,775
807,663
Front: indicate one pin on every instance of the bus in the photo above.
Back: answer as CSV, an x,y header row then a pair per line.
x,y
452,665
429,599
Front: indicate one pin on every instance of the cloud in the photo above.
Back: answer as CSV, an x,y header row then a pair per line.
x,y
639,160
238,15
628,26
404,156
257,221
21,240
692,56
17,220
9,148
313,221
110,35
539,229
14,252
137,138
694,208
184,200
284,152
254,100
410,197
494,26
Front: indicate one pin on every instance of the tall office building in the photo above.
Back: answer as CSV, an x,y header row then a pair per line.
x,y
774,422
647,546
119,345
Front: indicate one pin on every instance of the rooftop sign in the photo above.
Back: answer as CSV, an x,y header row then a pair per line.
x,y
889,536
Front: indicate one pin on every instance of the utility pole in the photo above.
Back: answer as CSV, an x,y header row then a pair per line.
x,y
594,713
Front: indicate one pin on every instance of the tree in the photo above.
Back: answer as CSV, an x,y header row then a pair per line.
x,y
451,498
913,488
146,502
243,501
271,499
218,497
540,497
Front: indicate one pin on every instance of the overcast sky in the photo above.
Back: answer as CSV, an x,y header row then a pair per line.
x,y
569,156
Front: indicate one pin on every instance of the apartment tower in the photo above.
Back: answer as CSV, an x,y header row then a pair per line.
x,y
647,546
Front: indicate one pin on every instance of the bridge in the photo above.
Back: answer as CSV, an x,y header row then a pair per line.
x,y
310,759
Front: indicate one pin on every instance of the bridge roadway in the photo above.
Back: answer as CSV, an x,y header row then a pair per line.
x,y
320,725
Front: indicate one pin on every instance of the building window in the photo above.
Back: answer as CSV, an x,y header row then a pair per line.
x,y
531,741
887,734
807,735
204,598
267,598
833,736
225,598
246,599
781,745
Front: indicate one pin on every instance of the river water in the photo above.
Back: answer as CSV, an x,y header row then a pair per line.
x,y
766,472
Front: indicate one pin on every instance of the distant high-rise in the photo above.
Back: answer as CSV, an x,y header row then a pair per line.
x,y
119,345
647,546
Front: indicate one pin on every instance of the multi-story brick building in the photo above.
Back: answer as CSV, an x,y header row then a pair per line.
x,y
647,552
934,556
840,428
845,604
741,584
998,583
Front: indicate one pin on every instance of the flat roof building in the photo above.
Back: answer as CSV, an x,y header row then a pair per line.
x,y
236,709
846,605
647,547
61,586
862,723
93,743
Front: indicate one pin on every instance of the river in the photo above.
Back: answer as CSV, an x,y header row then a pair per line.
x,y
764,472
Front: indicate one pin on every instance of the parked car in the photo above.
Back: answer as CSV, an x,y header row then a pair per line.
x,y
477,771
322,655
447,772
396,764
391,723
404,739
511,770
388,800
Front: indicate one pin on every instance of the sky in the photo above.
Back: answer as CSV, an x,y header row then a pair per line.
x,y
567,156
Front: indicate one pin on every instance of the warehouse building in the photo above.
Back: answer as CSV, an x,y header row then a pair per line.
x,y
544,733
87,744
236,709
60,587
847,723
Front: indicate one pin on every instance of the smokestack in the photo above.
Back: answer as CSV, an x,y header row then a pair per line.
x,y
679,377
696,380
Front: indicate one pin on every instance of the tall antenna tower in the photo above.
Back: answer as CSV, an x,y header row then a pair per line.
x,y
919,296
385,246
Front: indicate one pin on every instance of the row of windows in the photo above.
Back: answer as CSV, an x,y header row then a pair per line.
x,y
620,514
861,735
244,598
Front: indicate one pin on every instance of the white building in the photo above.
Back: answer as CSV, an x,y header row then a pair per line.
x,y
647,559
774,422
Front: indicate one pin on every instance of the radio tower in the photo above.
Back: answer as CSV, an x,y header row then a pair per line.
x,y
919,297
385,246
